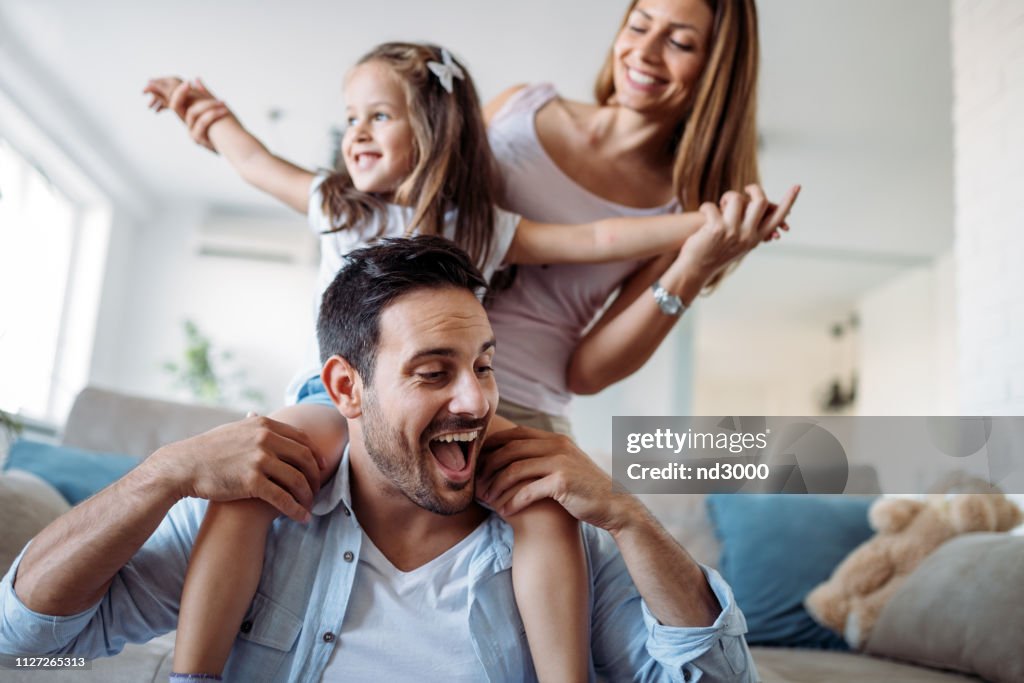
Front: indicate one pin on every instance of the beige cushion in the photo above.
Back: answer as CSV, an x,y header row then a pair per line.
x,y
962,609
27,504
788,665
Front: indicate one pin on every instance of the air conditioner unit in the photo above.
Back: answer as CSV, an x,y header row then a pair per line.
x,y
254,237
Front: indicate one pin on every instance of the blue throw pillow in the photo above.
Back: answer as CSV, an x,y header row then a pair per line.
x,y
775,549
77,474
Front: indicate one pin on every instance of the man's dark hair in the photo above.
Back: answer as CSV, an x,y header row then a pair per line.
x,y
373,277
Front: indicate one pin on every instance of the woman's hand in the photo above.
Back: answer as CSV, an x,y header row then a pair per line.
x,y
737,225
160,91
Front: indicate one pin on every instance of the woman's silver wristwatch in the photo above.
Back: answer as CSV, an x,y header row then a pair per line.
x,y
669,303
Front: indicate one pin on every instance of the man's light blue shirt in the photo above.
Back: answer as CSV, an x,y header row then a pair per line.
x,y
292,625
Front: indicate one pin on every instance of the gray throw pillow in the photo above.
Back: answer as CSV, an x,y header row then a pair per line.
x,y
962,609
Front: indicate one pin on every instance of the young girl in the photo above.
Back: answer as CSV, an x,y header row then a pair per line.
x,y
415,159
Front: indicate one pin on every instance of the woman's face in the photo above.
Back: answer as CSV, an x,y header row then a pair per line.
x,y
659,55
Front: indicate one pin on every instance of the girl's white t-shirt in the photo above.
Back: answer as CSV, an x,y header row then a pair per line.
x,y
334,246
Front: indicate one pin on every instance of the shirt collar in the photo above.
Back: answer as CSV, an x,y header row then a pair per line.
x,y
337,491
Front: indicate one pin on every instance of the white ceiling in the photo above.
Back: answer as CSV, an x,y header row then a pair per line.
x,y
855,102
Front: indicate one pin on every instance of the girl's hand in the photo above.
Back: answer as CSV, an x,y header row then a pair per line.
x,y
199,109
160,91
171,92
200,116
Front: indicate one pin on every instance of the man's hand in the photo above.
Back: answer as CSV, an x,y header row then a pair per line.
x,y
524,465
252,458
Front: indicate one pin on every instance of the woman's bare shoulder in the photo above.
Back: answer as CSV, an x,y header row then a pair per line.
x,y
492,108
561,117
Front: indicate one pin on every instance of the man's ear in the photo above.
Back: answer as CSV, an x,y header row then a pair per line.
x,y
344,385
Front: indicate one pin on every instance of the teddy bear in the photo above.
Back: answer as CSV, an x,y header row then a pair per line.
x,y
907,531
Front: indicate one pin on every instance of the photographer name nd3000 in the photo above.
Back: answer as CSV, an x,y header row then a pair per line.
x,y
718,471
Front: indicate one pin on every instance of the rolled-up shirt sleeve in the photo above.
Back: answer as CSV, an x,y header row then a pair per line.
x,y
23,631
630,644
141,603
711,653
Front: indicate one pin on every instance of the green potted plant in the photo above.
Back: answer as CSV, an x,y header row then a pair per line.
x,y
205,373
10,428
10,425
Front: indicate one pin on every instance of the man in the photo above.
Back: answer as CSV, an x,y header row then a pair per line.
x,y
418,366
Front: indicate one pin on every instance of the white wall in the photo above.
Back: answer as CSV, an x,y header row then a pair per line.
x,y
988,92
907,350
747,366
988,88
262,312
663,386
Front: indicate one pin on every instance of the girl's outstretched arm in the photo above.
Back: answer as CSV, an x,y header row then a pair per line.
x,y
628,238
610,239
212,125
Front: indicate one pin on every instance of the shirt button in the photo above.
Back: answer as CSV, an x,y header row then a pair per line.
x,y
246,626
687,676
348,556
348,513
329,637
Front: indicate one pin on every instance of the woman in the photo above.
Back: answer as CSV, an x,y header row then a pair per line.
x,y
673,127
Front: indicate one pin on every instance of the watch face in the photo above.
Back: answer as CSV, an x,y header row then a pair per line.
x,y
670,304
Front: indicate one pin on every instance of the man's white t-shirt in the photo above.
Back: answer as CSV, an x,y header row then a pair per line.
x,y
409,626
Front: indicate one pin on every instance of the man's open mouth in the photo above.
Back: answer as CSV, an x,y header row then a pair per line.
x,y
452,453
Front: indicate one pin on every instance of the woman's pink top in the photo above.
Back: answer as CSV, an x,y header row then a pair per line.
x,y
539,321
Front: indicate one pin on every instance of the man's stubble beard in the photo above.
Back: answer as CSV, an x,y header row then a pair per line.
x,y
403,464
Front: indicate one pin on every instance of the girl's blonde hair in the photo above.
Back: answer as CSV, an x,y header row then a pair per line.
x,y
715,142
452,163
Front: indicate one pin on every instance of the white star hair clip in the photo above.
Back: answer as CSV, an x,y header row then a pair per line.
x,y
445,71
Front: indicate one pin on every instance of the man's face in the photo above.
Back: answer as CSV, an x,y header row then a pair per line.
x,y
432,395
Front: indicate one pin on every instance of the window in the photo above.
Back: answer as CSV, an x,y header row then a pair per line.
x,y
41,247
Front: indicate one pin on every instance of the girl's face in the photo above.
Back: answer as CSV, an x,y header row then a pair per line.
x,y
378,146
659,55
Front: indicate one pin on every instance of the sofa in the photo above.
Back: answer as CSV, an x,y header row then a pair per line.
x,y
110,422
106,422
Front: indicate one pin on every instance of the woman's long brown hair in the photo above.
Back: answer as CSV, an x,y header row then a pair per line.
x,y
715,143
453,167
716,138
